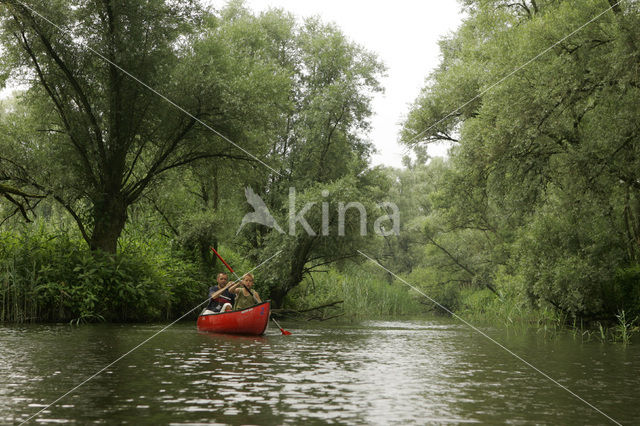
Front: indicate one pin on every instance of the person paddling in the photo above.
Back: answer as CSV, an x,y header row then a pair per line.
x,y
222,301
245,296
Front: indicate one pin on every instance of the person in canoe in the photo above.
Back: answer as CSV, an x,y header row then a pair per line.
x,y
245,296
223,302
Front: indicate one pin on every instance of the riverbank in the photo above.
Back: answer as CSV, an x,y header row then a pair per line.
x,y
52,277
511,312
367,295
364,292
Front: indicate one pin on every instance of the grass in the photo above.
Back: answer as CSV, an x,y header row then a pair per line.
x,y
365,293
625,328
509,312
484,307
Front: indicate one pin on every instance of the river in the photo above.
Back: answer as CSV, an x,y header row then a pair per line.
x,y
431,371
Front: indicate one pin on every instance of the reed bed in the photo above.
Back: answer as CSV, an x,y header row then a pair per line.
x,y
366,295
48,277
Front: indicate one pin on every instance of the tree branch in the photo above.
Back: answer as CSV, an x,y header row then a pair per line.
x,y
84,101
56,101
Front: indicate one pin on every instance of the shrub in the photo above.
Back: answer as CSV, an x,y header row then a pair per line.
x,y
48,276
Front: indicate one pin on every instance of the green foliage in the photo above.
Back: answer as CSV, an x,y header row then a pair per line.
x,y
541,187
365,293
573,267
625,290
54,277
97,140
509,311
135,175
625,328
534,219
446,293
316,125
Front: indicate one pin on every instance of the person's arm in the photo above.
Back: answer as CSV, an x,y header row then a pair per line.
x,y
212,290
256,296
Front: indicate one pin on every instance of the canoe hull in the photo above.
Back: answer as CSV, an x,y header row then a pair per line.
x,y
251,321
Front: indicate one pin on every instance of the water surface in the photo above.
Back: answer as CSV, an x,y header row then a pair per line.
x,y
378,372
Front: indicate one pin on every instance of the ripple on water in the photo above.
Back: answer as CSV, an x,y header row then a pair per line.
x,y
377,372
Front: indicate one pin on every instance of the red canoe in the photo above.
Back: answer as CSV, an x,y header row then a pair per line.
x,y
251,321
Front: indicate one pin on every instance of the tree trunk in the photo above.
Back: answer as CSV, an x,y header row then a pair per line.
x,y
277,295
296,272
109,218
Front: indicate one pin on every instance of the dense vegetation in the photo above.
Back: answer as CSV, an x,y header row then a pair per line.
x,y
540,199
112,195
137,186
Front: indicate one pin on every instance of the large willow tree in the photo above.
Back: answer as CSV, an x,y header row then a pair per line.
x,y
546,163
317,139
88,134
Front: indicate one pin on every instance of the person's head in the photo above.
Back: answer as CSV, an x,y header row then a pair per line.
x,y
247,280
222,279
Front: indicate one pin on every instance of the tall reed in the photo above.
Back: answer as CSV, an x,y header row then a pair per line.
x,y
47,276
365,294
625,328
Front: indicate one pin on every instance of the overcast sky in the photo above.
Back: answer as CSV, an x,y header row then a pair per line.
x,y
404,33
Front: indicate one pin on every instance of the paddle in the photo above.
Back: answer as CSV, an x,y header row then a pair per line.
x,y
229,287
284,332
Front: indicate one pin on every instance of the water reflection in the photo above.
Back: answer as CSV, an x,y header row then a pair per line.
x,y
378,372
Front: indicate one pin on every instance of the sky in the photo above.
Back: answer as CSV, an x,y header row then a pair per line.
x,y
404,34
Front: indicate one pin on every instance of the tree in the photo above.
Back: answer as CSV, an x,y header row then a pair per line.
x,y
96,139
324,147
550,151
13,195
319,119
19,199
